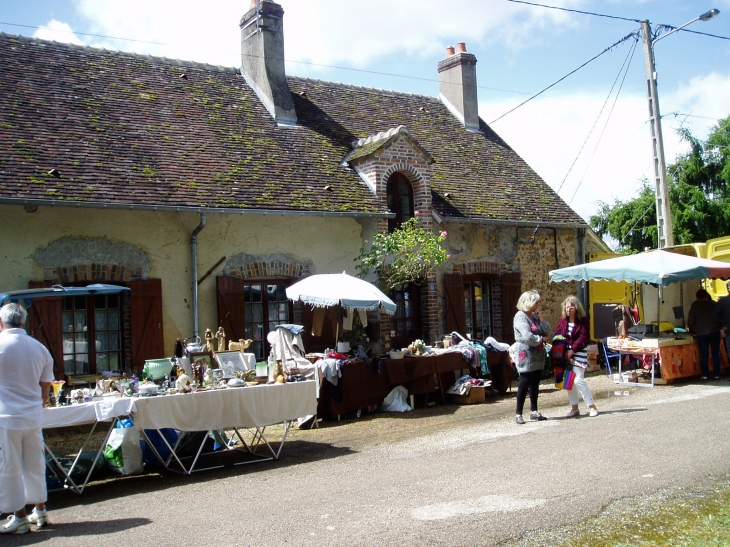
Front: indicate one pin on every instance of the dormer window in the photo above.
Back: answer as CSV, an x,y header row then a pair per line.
x,y
400,200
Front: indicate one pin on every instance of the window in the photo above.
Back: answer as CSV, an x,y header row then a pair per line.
x,y
94,318
405,324
400,200
266,306
478,308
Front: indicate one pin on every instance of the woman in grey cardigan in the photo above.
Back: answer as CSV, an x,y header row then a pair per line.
x,y
528,352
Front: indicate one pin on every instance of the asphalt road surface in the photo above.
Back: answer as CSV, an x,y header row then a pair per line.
x,y
445,475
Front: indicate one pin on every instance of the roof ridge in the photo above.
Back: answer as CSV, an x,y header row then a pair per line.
x,y
364,88
382,135
183,62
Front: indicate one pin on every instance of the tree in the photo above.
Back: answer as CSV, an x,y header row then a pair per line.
x,y
408,254
699,197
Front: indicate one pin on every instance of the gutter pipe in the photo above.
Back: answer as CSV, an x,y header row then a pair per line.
x,y
194,253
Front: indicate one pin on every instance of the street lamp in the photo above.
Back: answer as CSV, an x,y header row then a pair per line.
x,y
663,214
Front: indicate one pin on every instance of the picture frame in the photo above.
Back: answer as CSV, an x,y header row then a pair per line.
x,y
231,362
205,356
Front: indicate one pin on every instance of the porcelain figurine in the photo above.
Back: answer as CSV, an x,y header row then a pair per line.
x,y
221,337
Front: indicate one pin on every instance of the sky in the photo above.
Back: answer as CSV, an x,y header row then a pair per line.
x,y
588,136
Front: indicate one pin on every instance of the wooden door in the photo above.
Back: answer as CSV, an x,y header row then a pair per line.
x,y
146,322
44,321
231,306
454,288
511,290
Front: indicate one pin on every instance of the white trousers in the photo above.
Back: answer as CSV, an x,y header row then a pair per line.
x,y
581,385
22,469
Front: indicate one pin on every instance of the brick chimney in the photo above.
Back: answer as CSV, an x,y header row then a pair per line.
x,y
458,85
262,59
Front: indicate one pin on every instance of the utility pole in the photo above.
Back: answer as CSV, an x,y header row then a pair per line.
x,y
663,213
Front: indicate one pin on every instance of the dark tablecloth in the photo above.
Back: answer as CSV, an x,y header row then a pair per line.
x,y
366,384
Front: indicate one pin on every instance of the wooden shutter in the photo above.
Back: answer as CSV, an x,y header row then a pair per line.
x,y
511,290
44,318
146,318
454,287
231,306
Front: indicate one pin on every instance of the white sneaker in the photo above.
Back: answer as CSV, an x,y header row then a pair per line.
x,y
39,518
15,525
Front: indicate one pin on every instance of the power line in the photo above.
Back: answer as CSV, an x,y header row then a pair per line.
x,y
575,11
81,33
609,48
669,27
627,63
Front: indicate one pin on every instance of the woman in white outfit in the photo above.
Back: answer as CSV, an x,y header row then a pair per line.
x,y
574,326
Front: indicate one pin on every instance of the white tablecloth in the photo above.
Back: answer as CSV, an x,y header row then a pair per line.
x,y
86,413
251,406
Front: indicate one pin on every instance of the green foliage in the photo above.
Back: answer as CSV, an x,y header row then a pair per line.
x,y
699,197
407,255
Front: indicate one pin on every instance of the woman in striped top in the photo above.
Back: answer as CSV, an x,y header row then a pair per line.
x,y
575,327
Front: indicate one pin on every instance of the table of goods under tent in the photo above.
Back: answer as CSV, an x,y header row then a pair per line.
x,y
676,354
364,384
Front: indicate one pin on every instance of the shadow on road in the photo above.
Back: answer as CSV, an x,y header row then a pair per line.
x,y
75,529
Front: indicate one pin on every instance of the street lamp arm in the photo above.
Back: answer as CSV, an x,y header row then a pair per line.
x,y
704,17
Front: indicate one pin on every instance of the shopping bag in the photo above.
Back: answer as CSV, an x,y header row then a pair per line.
x,y
558,378
569,380
558,350
123,452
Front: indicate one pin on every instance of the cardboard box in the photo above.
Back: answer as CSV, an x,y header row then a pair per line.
x,y
476,395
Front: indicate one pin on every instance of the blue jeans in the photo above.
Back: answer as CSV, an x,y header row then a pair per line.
x,y
707,342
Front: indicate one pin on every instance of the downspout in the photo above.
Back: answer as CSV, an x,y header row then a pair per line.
x,y
194,252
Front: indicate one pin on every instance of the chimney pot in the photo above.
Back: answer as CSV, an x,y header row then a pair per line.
x,y
449,51
461,47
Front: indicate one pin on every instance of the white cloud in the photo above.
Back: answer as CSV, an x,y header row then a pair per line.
x,y
549,132
60,32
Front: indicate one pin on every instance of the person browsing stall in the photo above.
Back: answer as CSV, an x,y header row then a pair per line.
x,y
722,315
26,373
706,329
574,326
528,352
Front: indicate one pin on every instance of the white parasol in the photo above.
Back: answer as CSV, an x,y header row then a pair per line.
x,y
325,290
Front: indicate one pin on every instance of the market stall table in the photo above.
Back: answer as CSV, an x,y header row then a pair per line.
x,y
366,383
677,357
253,408
107,411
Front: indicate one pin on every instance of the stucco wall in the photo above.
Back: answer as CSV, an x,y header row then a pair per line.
x,y
163,240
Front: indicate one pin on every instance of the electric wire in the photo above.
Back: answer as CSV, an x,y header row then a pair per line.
x,y
635,223
627,64
669,27
609,48
630,54
82,33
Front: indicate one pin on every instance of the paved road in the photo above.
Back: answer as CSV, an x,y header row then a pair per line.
x,y
446,475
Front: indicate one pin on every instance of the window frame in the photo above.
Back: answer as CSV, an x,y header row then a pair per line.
x,y
265,319
394,200
487,280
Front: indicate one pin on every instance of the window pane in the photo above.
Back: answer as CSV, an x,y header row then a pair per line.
x,y
100,301
273,311
100,320
281,293
113,340
82,363
113,319
271,292
256,293
68,343
67,303
79,320
101,342
114,361
112,301
102,361
258,313
79,302
283,312
67,320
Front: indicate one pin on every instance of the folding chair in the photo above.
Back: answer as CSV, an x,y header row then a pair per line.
x,y
609,354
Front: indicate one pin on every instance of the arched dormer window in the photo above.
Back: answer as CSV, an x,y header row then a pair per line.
x,y
400,200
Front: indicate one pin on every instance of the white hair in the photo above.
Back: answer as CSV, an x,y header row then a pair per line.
x,y
13,316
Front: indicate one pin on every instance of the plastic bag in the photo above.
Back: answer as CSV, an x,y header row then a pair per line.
x,y
123,452
395,401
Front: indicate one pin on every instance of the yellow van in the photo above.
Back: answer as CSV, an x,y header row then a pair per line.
x,y
604,296
717,249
